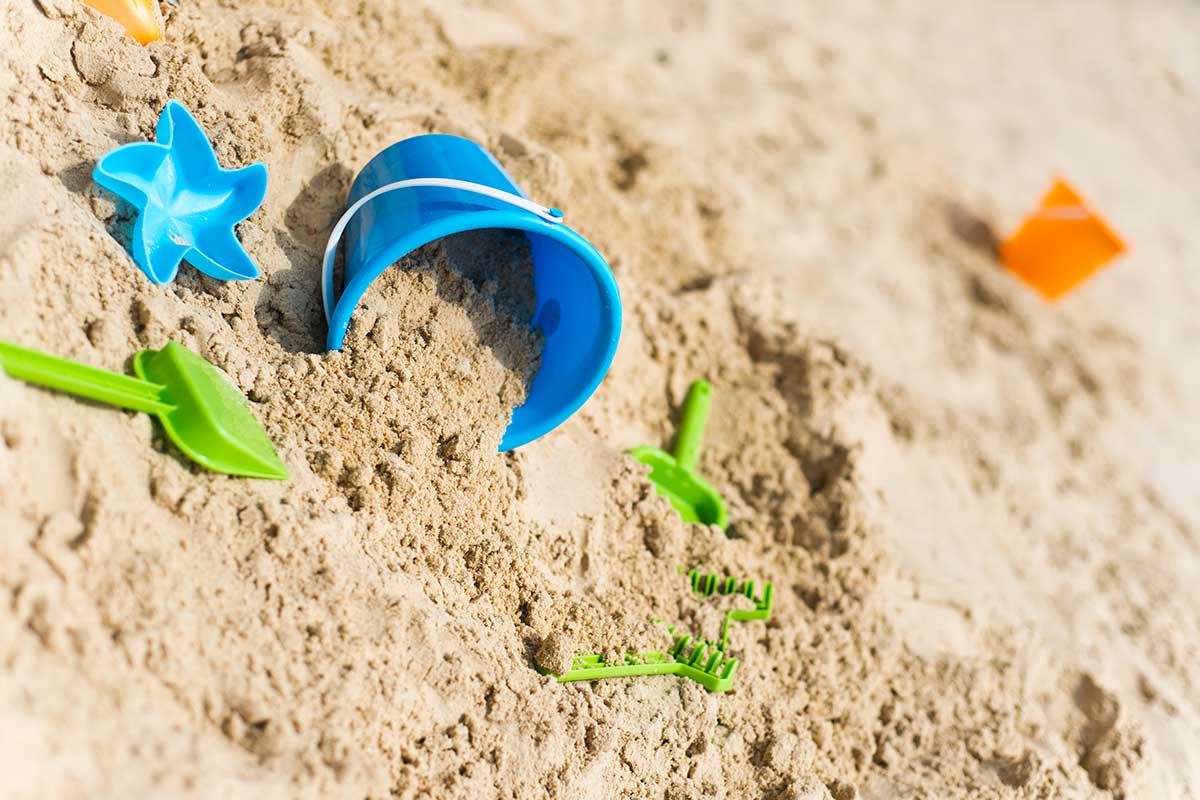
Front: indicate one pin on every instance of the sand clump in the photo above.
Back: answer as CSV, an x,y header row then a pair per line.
x,y
976,592
556,652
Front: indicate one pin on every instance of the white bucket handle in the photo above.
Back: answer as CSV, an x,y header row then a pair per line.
x,y
335,236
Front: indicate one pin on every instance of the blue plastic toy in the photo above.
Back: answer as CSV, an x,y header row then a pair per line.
x,y
428,187
187,204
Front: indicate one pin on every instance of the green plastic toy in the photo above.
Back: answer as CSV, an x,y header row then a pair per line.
x,y
707,584
694,659
697,660
206,418
673,476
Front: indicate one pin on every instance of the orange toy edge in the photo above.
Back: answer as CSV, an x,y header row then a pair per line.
x,y
1063,194
142,19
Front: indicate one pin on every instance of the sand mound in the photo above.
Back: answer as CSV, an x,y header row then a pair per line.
x,y
978,591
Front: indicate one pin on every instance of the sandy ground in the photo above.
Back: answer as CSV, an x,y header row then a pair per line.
x,y
979,511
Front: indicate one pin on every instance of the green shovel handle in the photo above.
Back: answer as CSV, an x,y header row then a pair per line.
x,y
83,381
691,426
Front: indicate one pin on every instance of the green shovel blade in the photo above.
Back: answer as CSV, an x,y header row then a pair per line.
x,y
205,416
693,497
673,475
209,420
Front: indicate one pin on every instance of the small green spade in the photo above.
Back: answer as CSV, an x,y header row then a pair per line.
x,y
673,476
201,413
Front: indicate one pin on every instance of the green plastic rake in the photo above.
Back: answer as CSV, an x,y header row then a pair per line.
x,y
698,660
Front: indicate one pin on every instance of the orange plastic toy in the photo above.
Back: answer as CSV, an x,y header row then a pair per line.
x,y
1060,245
142,18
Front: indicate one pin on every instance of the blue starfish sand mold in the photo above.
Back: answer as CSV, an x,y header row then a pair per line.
x,y
187,204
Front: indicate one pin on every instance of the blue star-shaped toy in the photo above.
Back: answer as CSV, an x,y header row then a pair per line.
x,y
187,204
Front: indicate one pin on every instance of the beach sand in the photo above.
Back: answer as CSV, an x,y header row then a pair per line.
x,y
979,511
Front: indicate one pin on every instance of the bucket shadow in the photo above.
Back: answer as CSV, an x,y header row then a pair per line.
x,y
486,276
499,264
289,306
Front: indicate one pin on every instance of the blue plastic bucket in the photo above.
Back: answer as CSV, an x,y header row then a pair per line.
x,y
427,187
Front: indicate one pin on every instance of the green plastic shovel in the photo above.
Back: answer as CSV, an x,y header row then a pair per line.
x,y
202,414
673,476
